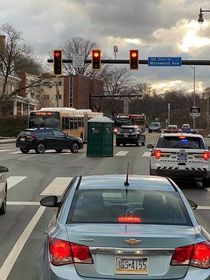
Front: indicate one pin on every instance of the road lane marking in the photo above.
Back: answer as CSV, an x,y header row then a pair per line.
x,y
57,186
146,154
14,180
4,150
13,153
23,203
203,207
208,189
122,153
15,252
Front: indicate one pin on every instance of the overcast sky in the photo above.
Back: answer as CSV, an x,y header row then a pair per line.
x,y
155,27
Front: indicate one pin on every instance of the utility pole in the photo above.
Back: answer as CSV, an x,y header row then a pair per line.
x,y
169,108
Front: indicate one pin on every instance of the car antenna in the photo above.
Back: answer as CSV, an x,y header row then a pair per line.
x,y
126,182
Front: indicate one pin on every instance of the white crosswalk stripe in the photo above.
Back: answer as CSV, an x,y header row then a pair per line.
x,y
57,186
4,151
14,180
121,153
13,153
146,154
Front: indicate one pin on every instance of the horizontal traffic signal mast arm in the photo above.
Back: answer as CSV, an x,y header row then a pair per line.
x,y
141,61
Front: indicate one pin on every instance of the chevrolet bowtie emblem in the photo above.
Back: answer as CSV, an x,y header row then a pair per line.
x,y
132,241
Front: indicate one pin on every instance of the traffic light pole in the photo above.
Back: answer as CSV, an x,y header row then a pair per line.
x,y
57,91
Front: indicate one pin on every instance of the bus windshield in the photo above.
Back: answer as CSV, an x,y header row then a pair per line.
x,y
44,121
123,121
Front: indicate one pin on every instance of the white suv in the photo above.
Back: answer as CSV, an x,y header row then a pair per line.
x,y
181,155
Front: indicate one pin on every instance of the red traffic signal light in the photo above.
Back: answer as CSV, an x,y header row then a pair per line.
x,y
96,59
57,62
134,60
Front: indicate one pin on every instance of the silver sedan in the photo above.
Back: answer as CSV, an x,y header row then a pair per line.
x,y
124,227
3,190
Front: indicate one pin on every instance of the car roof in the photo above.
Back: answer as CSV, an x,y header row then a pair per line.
x,y
36,128
181,134
116,181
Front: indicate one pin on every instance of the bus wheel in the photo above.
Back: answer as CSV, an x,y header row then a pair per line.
x,y
81,135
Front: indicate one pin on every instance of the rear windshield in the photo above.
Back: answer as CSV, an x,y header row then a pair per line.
x,y
186,127
26,132
128,206
154,124
172,128
181,142
127,130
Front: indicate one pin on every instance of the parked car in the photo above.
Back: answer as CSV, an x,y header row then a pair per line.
x,y
154,127
172,129
41,139
3,190
110,227
181,156
130,134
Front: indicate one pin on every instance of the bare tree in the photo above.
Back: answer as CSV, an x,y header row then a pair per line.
x,y
15,57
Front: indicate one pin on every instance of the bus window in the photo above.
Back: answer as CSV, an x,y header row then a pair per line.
x,y
79,122
75,123
71,123
67,123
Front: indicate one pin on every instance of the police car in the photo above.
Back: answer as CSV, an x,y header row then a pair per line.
x,y
181,155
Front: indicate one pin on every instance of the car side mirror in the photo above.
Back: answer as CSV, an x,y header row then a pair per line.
x,y
3,169
50,201
208,147
192,204
150,146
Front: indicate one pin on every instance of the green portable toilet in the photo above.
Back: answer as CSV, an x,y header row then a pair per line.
x,y
100,137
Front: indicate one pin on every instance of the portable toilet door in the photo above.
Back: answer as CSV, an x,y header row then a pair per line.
x,y
108,139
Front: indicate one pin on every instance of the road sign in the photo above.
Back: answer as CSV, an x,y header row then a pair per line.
x,y
164,61
195,111
78,61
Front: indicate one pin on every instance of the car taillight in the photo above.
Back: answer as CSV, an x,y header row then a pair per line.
x,y
81,254
157,154
31,136
201,255
129,219
60,252
182,255
63,252
197,255
206,155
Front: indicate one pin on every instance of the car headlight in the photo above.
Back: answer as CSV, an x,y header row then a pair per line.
x,y
80,140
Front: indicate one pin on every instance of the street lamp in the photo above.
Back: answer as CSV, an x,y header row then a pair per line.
x,y
193,95
200,18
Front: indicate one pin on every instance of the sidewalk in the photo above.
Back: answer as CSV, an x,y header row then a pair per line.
x,y
7,140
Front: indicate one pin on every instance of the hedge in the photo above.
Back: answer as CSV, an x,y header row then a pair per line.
x,y
12,126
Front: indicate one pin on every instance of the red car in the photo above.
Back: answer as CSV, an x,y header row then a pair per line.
x,y
172,129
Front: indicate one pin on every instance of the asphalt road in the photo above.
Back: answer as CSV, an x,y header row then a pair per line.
x,y
32,176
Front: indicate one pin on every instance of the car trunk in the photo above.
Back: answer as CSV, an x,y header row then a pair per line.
x,y
183,159
114,258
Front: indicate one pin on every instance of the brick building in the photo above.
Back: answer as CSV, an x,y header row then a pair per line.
x,y
74,91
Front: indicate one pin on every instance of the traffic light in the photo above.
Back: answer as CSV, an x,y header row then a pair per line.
x,y
134,60
96,59
57,62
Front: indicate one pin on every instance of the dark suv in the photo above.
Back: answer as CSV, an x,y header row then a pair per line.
x,y
41,139
130,134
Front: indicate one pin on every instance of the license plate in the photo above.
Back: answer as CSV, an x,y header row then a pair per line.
x,y
134,265
22,139
182,157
